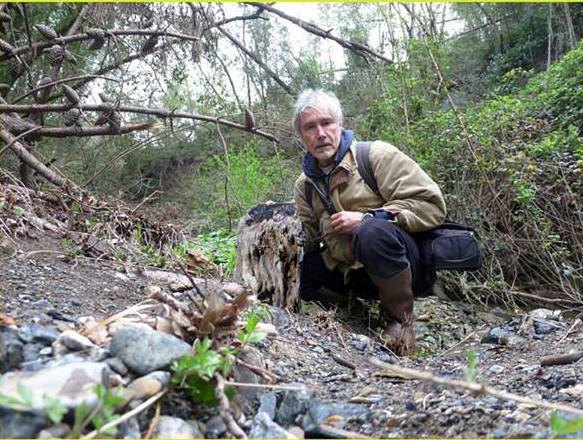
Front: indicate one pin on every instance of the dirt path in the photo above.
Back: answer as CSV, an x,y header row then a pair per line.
x,y
329,352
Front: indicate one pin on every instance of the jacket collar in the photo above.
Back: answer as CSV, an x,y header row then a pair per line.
x,y
310,164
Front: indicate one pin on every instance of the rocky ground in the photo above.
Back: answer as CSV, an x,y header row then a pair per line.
x,y
318,375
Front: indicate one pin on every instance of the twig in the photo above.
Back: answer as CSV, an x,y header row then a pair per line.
x,y
61,81
133,211
474,387
224,409
154,423
344,362
576,326
456,345
138,409
334,432
268,375
262,385
561,359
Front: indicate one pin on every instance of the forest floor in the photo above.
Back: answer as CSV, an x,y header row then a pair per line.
x,y
331,355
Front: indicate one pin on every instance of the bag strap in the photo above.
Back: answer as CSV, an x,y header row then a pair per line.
x,y
364,166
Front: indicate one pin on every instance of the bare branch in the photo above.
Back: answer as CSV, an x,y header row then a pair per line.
x,y
360,49
61,132
255,58
61,81
79,20
232,19
39,46
160,112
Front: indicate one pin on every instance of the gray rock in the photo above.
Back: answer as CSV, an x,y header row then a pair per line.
x,y
21,424
248,395
55,431
129,429
41,304
293,404
279,317
117,365
545,327
215,427
318,412
11,349
264,427
31,351
161,376
360,342
71,384
74,341
268,404
496,369
144,350
173,427
43,334
496,335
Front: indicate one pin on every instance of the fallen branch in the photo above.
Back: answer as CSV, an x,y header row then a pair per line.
x,y
561,359
224,409
29,159
61,132
474,387
160,112
138,409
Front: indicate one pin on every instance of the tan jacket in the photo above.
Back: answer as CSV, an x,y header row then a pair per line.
x,y
407,191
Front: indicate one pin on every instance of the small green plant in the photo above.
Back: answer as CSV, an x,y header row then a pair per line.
x,y
194,373
103,413
471,372
218,246
249,334
563,426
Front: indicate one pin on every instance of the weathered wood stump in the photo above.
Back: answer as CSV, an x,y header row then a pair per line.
x,y
269,250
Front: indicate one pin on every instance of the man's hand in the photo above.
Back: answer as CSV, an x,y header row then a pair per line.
x,y
346,222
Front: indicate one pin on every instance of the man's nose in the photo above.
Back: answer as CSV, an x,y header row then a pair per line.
x,y
320,133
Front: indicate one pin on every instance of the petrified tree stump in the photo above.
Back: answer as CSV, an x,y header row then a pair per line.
x,y
269,250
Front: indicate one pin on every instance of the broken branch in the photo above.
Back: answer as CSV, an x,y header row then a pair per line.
x,y
474,387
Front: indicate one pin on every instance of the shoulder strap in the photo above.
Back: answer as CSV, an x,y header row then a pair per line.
x,y
364,169
364,166
308,193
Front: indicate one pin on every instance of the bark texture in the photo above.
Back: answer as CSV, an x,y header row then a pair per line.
x,y
269,251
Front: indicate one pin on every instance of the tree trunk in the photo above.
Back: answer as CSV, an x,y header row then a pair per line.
x,y
269,252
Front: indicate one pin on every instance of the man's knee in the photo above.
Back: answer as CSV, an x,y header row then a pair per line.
x,y
378,246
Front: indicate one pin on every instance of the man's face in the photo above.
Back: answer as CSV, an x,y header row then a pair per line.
x,y
321,135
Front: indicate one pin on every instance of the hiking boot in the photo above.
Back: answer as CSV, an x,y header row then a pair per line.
x,y
396,304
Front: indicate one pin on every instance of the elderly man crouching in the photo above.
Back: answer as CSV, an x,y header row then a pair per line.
x,y
357,238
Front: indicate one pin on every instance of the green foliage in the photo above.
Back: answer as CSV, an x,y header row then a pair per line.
x,y
227,188
564,426
471,371
104,412
55,409
249,335
219,246
194,373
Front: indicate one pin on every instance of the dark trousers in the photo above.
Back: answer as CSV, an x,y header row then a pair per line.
x,y
383,248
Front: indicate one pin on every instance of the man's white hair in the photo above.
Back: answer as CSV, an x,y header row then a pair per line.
x,y
320,100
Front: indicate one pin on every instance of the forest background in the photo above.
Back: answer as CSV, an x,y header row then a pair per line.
x,y
183,110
